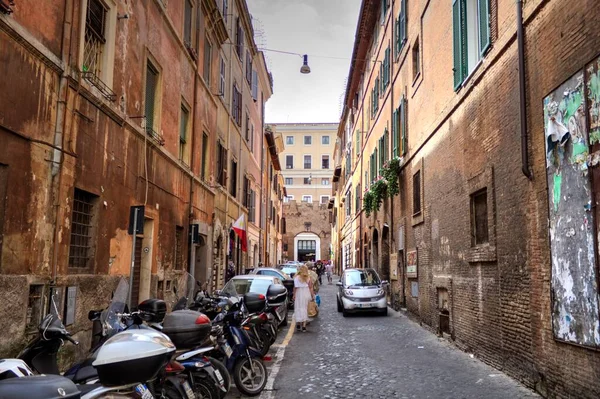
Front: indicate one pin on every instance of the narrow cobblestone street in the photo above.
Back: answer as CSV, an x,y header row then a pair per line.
x,y
369,356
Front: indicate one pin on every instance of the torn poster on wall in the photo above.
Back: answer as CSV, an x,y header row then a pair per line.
x,y
575,315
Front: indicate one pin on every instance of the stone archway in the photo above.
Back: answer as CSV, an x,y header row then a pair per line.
x,y
307,246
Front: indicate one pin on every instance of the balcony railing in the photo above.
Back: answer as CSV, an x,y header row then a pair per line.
x,y
155,136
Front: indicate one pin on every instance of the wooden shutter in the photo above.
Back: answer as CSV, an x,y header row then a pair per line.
x,y
151,86
395,140
484,25
456,37
386,144
254,85
403,13
403,124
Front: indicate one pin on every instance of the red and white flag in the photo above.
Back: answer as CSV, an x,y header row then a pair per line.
x,y
240,229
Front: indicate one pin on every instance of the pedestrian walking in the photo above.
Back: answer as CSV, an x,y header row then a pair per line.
x,y
320,271
230,272
303,294
329,272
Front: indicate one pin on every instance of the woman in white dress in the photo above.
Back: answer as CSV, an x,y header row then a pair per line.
x,y
303,294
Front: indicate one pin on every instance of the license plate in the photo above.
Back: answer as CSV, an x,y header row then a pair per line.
x,y
365,305
220,378
188,390
143,392
227,349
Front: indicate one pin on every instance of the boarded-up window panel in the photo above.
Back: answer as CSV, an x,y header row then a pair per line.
x,y
417,193
574,289
151,86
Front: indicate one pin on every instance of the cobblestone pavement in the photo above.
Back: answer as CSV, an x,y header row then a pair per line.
x,y
370,356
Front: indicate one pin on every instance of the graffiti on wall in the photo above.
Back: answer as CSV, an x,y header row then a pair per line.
x,y
575,315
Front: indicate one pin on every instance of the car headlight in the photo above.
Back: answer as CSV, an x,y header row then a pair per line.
x,y
348,292
380,292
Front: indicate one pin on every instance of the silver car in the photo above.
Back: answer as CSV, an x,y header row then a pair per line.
x,y
361,290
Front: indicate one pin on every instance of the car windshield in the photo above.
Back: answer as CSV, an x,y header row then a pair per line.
x,y
361,278
241,286
289,270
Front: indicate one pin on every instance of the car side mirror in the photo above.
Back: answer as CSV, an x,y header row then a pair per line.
x,y
339,284
384,282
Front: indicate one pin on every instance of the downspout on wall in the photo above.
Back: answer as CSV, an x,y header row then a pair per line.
x,y
59,137
522,92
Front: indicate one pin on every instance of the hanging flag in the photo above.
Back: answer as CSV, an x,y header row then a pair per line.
x,y
240,229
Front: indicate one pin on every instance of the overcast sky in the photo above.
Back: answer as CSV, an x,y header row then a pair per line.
x,y
314,27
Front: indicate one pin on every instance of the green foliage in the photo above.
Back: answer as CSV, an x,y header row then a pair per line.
x,y
384,187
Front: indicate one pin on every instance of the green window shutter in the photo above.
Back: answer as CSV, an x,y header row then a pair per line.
x,y
387,144
395,133
397,35
376,161
402,123
357,143
484,25
382,75
456,38
403,13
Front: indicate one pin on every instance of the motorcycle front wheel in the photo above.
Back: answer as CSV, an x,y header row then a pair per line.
x,y
250,376
217,364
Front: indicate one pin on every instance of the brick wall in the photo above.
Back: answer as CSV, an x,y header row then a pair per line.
x,y
296,214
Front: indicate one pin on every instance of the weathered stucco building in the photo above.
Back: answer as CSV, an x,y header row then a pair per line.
x,y
108,105
488,122
307,234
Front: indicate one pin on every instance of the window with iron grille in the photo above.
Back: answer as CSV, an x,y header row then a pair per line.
x,y
81,247
479,218
178,247
233,186
152,81
95,39
417,193
205,159
183,128
207,62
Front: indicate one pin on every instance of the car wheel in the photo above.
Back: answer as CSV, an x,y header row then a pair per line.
x,y
384,313
339,306
345,312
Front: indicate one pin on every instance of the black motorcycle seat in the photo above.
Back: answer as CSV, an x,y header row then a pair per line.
x,y
84,373
87,388
39,387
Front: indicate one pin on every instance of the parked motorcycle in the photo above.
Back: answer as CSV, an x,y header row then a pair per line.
x,y
41,353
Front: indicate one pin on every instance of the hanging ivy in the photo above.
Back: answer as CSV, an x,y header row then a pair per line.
x,y
390,172
385,186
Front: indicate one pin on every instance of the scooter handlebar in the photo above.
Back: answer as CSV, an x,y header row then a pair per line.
x,y
71,340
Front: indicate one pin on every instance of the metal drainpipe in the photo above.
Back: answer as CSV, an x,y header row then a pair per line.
x,y
59,139
522,91
192,264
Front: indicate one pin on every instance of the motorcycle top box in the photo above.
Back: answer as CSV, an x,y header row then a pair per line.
x,y
254,302
276,294
39,387
186,328
133,356
154,310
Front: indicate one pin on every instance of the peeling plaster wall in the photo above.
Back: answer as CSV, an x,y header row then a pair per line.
x,y
575,316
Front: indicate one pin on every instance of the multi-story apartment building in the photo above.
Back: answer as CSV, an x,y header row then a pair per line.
x,y
115,106
480,116
306,162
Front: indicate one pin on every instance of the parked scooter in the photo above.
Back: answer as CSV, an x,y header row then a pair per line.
x,y
242,359
41,353
125,364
